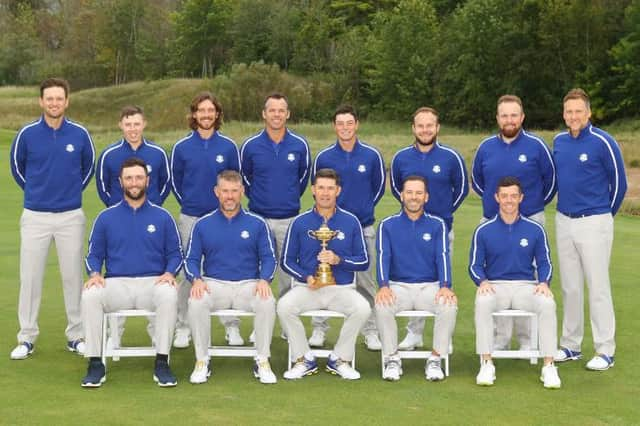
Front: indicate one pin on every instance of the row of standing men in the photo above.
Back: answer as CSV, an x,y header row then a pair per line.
x,y
586,168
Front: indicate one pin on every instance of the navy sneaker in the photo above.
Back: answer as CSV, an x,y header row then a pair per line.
x,y
96,375
163,376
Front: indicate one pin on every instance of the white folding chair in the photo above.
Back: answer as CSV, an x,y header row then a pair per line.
x,y
320,353
232,351
533,353
112,348
419,354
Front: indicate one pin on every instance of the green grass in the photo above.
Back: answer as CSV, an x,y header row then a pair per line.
x,y
45,389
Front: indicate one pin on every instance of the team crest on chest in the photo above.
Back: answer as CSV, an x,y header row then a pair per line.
x,y
426,236
340,235
149,168
151,228
583,157
244,234
219,159
291,157
436,169
522,158
69,148
524,242
362,168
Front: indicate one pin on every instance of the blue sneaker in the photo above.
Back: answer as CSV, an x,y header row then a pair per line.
x,y
78,346
565,354
302,367
22,351
163,376
96,375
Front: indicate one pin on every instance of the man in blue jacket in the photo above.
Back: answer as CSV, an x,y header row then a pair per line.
x,y
362,177
276,164
301,255
591,187
230,261
139,245
52,161
501,265
514,152
414,272
444,169
133,144
196,161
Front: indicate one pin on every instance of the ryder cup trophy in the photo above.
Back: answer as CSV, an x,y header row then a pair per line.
x,y
323,275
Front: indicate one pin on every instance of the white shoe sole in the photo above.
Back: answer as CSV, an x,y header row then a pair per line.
x,y
94,385
164,385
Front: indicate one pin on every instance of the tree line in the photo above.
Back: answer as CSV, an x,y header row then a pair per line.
x,y
385,56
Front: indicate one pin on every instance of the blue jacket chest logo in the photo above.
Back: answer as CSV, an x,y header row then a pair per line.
x,y
151,228
362,168
291,157
69,148
219,159
244,234
583,157
436,169
426,236
149,168
524,242
522,158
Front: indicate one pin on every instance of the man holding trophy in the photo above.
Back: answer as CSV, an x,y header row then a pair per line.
x,y
322,250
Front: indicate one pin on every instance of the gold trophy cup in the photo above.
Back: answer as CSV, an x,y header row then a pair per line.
x,y
324,274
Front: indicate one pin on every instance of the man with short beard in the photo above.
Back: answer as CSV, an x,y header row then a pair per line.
x,y
521,154
196,161
444,169
139,245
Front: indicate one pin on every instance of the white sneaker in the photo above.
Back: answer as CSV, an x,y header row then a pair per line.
x,y
252,337
342,369
372,341
301,368
317,338
433,370
201,373
392,369
182,338
410,342
262,371
549,377
22,351
600,362
233,336
487,374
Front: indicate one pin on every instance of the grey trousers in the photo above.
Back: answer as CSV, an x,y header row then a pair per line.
x,y
516,295
231,295
366,285
129,293
344,299
419,297
37,229
584,253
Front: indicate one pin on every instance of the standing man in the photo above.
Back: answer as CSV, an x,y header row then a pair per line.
x,y
446,173
276,165
196,161
139,245
52,161
133,144
237,253
301,255
414,272
503,250
591,187
518,153
362,176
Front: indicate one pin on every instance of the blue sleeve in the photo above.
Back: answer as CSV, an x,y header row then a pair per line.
x,y
477,258
477,177
304,171
173,248
177,173
443,260
289,257
193,257
543,257
97,247
460,182
246,167
358,259
548,172
614,165
103,179
379,179
315,167
88,161
267,253
164,178
383,252
396,178
234,159
18,161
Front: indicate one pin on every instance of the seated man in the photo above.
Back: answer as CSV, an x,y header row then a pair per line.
x,y
139,245
301,255
501,264
237,252
414,272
